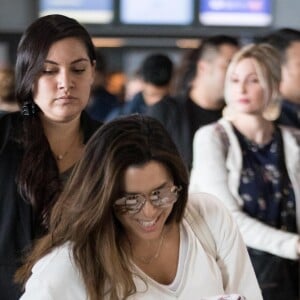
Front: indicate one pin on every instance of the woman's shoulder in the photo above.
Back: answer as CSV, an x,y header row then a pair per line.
x,y
205,204
60,259
10,120
211,209
57,267
216,128
58,276
211,220
10,116
10,123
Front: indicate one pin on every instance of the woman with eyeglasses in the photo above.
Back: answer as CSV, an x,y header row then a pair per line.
x,y
125,228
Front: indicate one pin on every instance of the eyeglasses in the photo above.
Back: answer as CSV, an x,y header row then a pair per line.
x,y
163,197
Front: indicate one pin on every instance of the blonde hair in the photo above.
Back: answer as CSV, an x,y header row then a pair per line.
x,y
267,64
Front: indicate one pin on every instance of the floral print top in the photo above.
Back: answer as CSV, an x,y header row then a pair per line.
x,y
265,186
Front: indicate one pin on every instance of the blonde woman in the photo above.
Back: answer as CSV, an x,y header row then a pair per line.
x,y
253,166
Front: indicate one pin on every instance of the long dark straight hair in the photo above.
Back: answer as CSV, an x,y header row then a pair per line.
x,y
38,177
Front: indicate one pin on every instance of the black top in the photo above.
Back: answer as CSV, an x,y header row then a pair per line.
x,y
3,112
199,116
265,185
101,104
17,228
290,114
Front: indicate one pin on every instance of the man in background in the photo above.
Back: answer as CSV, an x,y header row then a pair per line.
x,y
198,92
156,74
287,42
102,102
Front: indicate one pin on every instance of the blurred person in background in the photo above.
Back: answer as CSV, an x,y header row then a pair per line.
x,y
156,73
198,91
252,165
101,102
287,42
116,81
8,102
134,85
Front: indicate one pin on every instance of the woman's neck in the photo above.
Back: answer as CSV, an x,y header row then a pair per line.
x,y
55,130
254,128
163,267
65,140
142,248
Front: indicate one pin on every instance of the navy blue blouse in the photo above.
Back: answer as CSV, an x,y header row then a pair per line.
x,y
265,186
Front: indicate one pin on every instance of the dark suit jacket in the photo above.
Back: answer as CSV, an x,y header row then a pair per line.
x,y
290,114
174,116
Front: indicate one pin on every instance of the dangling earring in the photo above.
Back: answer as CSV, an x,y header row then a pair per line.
x,y
29,109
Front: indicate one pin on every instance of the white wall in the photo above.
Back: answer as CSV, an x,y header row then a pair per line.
x,y
15,15
3,54
286,13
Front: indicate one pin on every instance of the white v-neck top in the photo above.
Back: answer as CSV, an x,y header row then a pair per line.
x,y
199,276
183,248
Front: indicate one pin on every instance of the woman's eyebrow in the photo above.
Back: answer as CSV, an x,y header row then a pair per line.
x,y
48,61
153,190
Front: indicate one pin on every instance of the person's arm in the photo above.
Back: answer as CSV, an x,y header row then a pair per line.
x,y
210,173
232,257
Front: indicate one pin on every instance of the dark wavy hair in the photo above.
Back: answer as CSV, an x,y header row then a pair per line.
x,y
84,214
38,176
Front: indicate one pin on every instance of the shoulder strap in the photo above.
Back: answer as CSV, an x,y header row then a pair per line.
x,y
223,136
202,231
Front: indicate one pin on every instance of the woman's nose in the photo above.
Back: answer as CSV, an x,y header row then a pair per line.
x,y
65,81
149,210
242,87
